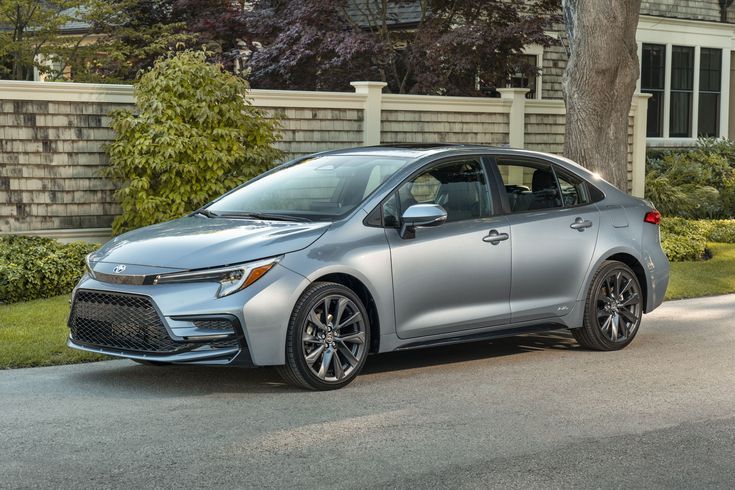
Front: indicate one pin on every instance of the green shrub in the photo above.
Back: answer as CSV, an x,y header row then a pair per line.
x,y
694,183
35,267
721,230
683,239
195,136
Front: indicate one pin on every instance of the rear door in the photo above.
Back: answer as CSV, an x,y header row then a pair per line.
x,y
554,227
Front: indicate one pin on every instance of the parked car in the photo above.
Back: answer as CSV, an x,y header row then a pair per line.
x,y
325,259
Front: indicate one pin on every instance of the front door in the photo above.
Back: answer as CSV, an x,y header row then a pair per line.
x,y
455,276
554,226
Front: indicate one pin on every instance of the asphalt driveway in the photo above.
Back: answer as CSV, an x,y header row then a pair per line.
x,y
532,411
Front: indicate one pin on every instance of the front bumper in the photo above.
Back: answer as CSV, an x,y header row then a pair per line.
x,y
262,312
205,355
132,326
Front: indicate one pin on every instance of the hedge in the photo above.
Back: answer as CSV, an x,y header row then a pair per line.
x,y
685,239
35,267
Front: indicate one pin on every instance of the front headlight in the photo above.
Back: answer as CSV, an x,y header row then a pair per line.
x,y
231,279
88,265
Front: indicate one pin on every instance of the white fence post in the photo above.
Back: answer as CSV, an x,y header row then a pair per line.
x,y
640,118
373,92
517,116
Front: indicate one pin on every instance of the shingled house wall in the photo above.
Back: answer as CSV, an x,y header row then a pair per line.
x,y
51,155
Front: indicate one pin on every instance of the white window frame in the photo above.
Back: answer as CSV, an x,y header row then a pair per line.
x,y
696,34
538,51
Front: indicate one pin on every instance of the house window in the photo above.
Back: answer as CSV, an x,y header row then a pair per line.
x,y
521,79
682,91
710,80
685,84
653,69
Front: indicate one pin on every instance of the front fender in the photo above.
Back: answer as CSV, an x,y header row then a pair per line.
x,y
358,251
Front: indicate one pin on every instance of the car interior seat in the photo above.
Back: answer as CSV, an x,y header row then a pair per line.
x,y
544,190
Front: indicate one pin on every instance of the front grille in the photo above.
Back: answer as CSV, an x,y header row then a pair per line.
x,y
121,321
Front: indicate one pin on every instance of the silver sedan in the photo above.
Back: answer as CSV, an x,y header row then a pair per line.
x,y
323,260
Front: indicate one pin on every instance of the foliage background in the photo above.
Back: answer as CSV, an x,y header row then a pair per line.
x,y
453,47
456,47
696,183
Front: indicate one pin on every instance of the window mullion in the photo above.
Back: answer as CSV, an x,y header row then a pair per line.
x,y
725,93
667,92
695,92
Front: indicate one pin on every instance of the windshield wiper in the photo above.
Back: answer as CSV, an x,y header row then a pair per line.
x,y
262,216
205,212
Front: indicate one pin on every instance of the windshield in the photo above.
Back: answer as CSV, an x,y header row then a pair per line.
x,y
319,189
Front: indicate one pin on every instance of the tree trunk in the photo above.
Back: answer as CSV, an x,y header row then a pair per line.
x,y
599,82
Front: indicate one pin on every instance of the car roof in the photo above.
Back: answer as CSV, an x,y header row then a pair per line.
x,y
420,150
409,150
416,151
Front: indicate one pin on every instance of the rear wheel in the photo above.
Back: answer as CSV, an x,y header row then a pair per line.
x,y
613,310
328,338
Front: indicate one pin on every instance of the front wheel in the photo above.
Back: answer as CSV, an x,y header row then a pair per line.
x,y
328,338
613,310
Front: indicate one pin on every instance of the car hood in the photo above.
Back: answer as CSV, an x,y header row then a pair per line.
x,y
196,242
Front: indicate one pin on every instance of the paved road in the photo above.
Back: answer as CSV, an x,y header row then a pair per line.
x,y
528,412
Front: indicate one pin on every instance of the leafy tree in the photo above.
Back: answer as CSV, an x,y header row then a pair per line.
x,y
217,24
147,29
194,136
143,31
33,29
455,47
118,38
308,45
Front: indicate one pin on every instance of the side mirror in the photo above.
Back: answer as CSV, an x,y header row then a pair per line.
x,y
420,215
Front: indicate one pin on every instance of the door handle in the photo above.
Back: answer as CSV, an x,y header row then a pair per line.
x,y
580,224
494,237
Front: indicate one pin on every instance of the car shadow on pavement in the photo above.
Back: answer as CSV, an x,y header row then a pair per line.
x,y
179,380
175,381
471,351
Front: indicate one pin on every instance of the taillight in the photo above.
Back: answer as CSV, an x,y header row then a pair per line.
x,y
653,217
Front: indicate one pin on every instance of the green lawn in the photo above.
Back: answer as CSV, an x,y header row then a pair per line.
x,y
704,278
34,334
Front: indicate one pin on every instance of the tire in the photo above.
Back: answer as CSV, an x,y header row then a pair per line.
x,y
328,338
613,309
151,363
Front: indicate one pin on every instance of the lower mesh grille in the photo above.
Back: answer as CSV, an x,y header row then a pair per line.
x,y
214,324
121,321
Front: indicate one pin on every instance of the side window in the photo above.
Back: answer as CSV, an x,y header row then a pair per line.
x,y
460,187
573,190
529,186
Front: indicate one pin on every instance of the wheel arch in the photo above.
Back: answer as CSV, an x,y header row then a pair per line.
x,y
637,268
363,292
